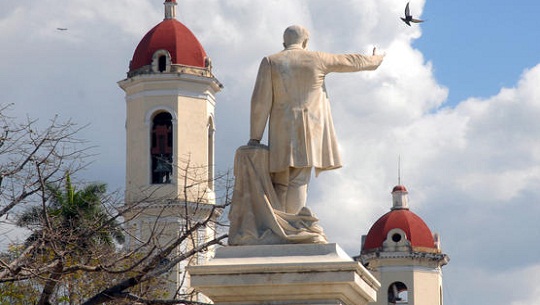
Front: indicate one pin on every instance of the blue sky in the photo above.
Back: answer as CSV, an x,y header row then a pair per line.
x,y
457,97
477,47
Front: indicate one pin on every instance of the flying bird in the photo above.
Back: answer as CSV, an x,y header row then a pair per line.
x,y
408,17
62,29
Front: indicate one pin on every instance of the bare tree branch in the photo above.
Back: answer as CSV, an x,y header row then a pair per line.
x,y
66,255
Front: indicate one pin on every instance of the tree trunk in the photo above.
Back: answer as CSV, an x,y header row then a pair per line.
x,y
51,283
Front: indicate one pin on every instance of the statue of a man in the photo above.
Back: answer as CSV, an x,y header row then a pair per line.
x,y
290,93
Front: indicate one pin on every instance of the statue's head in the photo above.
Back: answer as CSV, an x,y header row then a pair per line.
x,y
295,34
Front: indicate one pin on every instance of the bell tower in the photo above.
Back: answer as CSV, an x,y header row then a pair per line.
x,y
170,98
404,256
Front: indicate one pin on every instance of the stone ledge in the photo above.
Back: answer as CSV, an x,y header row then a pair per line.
x,y
284,274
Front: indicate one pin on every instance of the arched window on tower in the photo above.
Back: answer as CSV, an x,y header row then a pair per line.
x,y
210,151
161,149
398,293
161,61
162,65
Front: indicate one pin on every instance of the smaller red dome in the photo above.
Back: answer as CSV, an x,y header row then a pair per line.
x,y
399,188
416,230
176,38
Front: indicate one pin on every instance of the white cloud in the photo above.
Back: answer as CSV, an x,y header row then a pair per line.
x,y
485,152
502,152
525,290
517,286
472,170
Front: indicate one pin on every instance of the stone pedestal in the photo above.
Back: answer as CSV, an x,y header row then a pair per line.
x,y
306,274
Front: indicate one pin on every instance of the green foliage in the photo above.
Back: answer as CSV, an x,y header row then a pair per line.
x,y
78,218
18,293
71,227
76,287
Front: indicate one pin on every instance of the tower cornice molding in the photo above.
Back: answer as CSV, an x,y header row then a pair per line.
x,y
203,209
411,268
440,259
172,80
206,95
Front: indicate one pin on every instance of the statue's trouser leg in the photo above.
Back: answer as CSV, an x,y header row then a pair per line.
x,y
291,188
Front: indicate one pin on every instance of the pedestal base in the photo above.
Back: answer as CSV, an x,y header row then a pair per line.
x,y
284,274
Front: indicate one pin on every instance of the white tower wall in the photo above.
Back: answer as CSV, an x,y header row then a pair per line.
x,y
190,101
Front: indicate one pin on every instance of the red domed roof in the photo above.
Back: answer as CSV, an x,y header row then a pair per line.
x,y
173,36
414,227
399,188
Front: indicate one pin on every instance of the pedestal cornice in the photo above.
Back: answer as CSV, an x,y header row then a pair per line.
x,y
284,274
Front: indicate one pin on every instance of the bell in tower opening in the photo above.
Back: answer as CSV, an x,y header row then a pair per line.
x,y
162,148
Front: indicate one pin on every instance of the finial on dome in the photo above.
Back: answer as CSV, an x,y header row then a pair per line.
x,y
399,170
400,198
170,9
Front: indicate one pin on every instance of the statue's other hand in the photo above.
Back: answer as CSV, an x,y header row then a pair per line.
x,y
375,52
254,142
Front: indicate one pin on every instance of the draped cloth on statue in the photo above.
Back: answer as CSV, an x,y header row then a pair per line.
x,y
256,217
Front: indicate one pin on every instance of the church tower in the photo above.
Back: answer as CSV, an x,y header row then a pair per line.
x,y
170,98
404,256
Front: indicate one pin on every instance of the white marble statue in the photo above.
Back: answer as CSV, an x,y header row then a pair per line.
x,y
290,94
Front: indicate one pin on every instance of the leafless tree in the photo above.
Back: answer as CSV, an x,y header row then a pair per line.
x,y
31,156
64,253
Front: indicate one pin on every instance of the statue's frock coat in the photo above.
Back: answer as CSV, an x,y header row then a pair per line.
x,y
289,93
